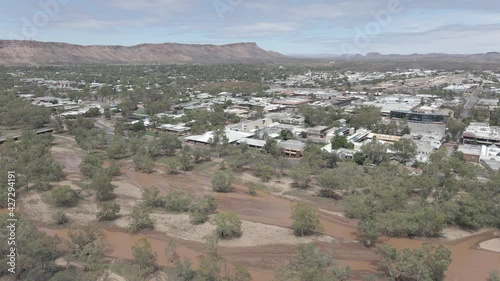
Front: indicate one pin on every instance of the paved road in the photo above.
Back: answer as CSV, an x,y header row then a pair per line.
x,y
474,98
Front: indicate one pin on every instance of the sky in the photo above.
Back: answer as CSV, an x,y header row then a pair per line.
x,y
285,26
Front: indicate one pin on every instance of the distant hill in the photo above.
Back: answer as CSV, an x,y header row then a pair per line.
x,y
14,52
474,58
379,62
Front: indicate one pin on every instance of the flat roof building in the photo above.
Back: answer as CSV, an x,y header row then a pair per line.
x,y
420,117
482,134
292,148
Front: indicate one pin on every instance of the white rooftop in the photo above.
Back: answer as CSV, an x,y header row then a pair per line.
x,y
233,136
483,131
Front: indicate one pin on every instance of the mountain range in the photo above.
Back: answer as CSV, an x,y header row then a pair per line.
x,y
15,52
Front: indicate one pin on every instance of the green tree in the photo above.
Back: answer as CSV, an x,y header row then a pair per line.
x,y
127,107
426,263
494,276
366,116
455,127
90,164
113,169
60,218
201,208
165,144
286,135
369,231
301,176
264,172
107,113
184,271
144,163
90,139
178,201
272,148
107,211
152,198
64,196
140,220
309,264
341,142
144,258
219,142
238,273
58,124
228,225
329,183
80,239
375,151
117,148
305,220
200,155
211,263
136,144
101,184
221,181
405,148
185,160
495,118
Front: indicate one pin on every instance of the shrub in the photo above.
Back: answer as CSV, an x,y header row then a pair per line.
x,y
144,258
228,225
108,211
64,196
101,183
90,164
305,220
144,163
201,208
221,182
141,219
301,176
264,172
152,198
81,238
42,186
113,169
60,218
178,201
252,190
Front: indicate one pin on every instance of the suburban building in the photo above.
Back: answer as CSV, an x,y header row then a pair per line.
x,y
249,126
490,157
180,129
232,136
471,152
420,117
318,131
481,134
292,148
253,143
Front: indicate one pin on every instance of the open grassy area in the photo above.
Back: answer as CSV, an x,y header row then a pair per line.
x,y
262,186
207,168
